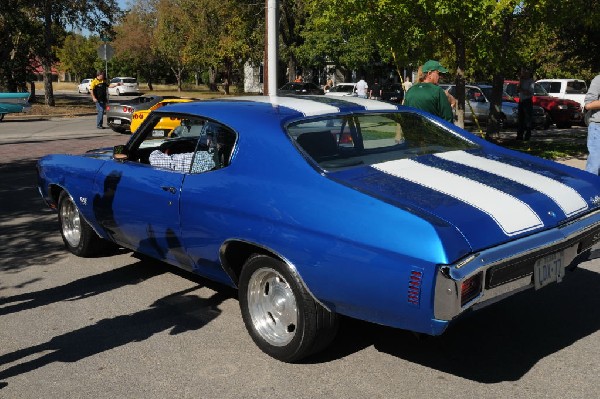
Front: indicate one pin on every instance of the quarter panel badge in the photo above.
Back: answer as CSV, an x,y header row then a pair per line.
x,y
595,200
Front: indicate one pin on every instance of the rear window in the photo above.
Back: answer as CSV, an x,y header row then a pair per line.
x,y
353,140
129,80
576,87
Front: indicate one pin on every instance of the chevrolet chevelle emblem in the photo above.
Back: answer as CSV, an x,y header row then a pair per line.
x,y
595,200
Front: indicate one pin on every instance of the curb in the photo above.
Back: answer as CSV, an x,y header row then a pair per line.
x,y
44,117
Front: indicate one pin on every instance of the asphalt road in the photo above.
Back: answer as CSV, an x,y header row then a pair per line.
x,y
124,327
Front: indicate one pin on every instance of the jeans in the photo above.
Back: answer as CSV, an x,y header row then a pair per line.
x,y
100,107
593,144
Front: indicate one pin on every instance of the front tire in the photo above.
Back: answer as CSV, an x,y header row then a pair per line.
x,y
281,316
79,238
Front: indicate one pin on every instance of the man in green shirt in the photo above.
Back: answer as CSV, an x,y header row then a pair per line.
x,y
427,95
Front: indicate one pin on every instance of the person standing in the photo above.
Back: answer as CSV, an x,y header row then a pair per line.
x,y
407,83
99,92
526,89
375,92
427,95
592,103
361,88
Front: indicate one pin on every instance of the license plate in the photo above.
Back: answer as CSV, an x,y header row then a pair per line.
x,y
548,270
116,121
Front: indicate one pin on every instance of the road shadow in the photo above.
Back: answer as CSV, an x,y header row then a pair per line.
x,y
28,229
83,288
177,313
496,344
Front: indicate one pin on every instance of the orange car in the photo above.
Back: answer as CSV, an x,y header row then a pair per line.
x,y
166,124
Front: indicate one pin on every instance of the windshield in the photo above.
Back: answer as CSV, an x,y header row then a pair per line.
x,y
342,89
352,140
538,90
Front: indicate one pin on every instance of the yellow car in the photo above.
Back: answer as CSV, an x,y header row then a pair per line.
x,y
166,124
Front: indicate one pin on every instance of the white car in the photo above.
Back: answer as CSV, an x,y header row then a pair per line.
x,y
84,86
342,90
571,89
123,85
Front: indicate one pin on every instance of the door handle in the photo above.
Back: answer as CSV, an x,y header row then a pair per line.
x,y
170,189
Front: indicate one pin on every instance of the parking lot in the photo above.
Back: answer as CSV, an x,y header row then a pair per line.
x,y
125,326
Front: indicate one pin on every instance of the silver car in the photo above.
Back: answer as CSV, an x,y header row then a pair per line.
x,y
478,104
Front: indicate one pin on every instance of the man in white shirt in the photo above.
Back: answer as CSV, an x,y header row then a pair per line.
x,y
361,88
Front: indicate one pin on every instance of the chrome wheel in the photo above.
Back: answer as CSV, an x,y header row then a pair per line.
x,y
272,307
70,222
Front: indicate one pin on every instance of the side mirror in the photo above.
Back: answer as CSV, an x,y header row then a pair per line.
x,y
119,152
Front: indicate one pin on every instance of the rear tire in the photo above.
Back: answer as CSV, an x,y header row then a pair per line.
x,y
79,238
281,316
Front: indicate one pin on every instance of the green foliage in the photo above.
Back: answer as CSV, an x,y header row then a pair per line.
x,y
79,54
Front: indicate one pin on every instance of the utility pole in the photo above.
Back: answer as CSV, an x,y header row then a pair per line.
x,y
271,47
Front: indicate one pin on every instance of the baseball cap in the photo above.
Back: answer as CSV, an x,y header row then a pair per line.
x,y
433,65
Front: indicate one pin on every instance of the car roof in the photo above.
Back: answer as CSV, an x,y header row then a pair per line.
x,y
238,110
560,80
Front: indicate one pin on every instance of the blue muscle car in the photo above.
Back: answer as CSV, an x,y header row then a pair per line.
x,y
13,102
319,206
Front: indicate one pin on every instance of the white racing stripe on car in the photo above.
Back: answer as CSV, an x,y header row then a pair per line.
x,y
307,107
370,105
564,196
512,215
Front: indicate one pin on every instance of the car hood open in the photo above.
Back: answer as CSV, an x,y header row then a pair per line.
x,y
489,198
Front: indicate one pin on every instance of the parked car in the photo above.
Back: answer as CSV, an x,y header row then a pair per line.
x,y
411,223
119,114
84,86
393,93
13,103
570,89
167,125
479,104
562,112
123,85
302,88
342,90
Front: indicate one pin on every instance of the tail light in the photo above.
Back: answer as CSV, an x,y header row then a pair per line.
x,y
414,287
108,107
345,138
470,288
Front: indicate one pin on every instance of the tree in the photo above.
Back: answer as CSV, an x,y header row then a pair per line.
x,y
54,15
20,38
135,42
78,55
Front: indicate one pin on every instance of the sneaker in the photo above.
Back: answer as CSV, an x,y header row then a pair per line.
x,y
100,127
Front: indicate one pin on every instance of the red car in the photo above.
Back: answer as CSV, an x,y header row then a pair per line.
x,y
561,112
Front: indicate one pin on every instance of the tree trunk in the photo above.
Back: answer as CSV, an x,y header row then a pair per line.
x,y
291,69
212,77
493,127
47,56
494,118
32,92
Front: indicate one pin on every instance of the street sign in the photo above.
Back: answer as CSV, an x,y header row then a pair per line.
x,y
105,52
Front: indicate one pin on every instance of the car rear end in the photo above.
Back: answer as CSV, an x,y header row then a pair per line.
x,y
128,86
118,117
